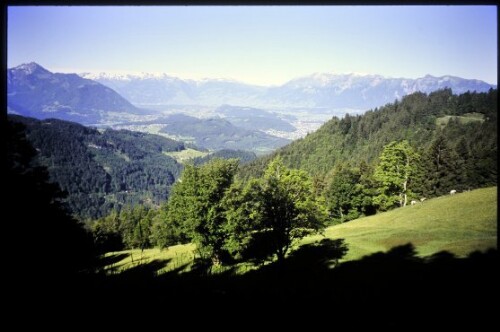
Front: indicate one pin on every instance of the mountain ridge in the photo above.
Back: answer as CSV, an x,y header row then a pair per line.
x,y
319,90
161,75
34,91
332,90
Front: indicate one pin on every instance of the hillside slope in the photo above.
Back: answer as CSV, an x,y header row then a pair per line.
x,y
219,134
102,171
418,118
459,223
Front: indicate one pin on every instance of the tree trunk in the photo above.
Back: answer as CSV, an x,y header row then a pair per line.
x,y
404,192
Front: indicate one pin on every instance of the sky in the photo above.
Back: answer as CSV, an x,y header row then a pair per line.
x,y
264,45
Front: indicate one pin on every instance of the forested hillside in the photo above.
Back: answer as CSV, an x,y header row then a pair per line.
x,y
104,170
457,134
244,156
218,134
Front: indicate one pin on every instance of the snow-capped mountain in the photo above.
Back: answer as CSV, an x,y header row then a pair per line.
x,y
34,91
358,91
163,89
123,76
319,90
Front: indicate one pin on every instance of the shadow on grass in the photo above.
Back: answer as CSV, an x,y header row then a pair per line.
x,y
110,260
144,271
384,288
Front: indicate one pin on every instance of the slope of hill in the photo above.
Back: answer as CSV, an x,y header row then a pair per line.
x,y
417,118
254,118
103,170
243,156
217,133
459,224
34,91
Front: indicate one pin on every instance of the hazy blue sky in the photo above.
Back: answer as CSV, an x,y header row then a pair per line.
x,y
262,45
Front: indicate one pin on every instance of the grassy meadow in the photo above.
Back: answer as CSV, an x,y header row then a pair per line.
x,y
185,155
466,118
460,223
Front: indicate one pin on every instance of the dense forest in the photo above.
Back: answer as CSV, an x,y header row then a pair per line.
x,y
101,171
458,131
218,133
36,212
244,156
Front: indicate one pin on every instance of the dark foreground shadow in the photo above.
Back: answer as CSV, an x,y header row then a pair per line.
x,y
390,289
110,261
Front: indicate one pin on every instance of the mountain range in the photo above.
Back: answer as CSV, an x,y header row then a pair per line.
x,y
218,113
34,91
150,89
95,98
320,90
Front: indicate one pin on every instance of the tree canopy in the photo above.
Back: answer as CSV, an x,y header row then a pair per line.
x,y
282,208
395,171
195,209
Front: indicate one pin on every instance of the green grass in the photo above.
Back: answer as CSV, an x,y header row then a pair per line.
x,y
178,257
466,118
460,223
185,155
175,256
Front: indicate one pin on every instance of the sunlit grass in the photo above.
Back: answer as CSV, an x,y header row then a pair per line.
x,y
185,155
460,224
175,257
466,118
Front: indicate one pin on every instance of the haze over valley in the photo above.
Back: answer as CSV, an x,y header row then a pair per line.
x,y
249,117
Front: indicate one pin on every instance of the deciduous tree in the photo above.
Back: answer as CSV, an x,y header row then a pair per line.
x,y
394,172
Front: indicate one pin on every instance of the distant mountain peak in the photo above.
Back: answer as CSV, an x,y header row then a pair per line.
x,y
332,90
34,91
129,76
125,76
29,68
